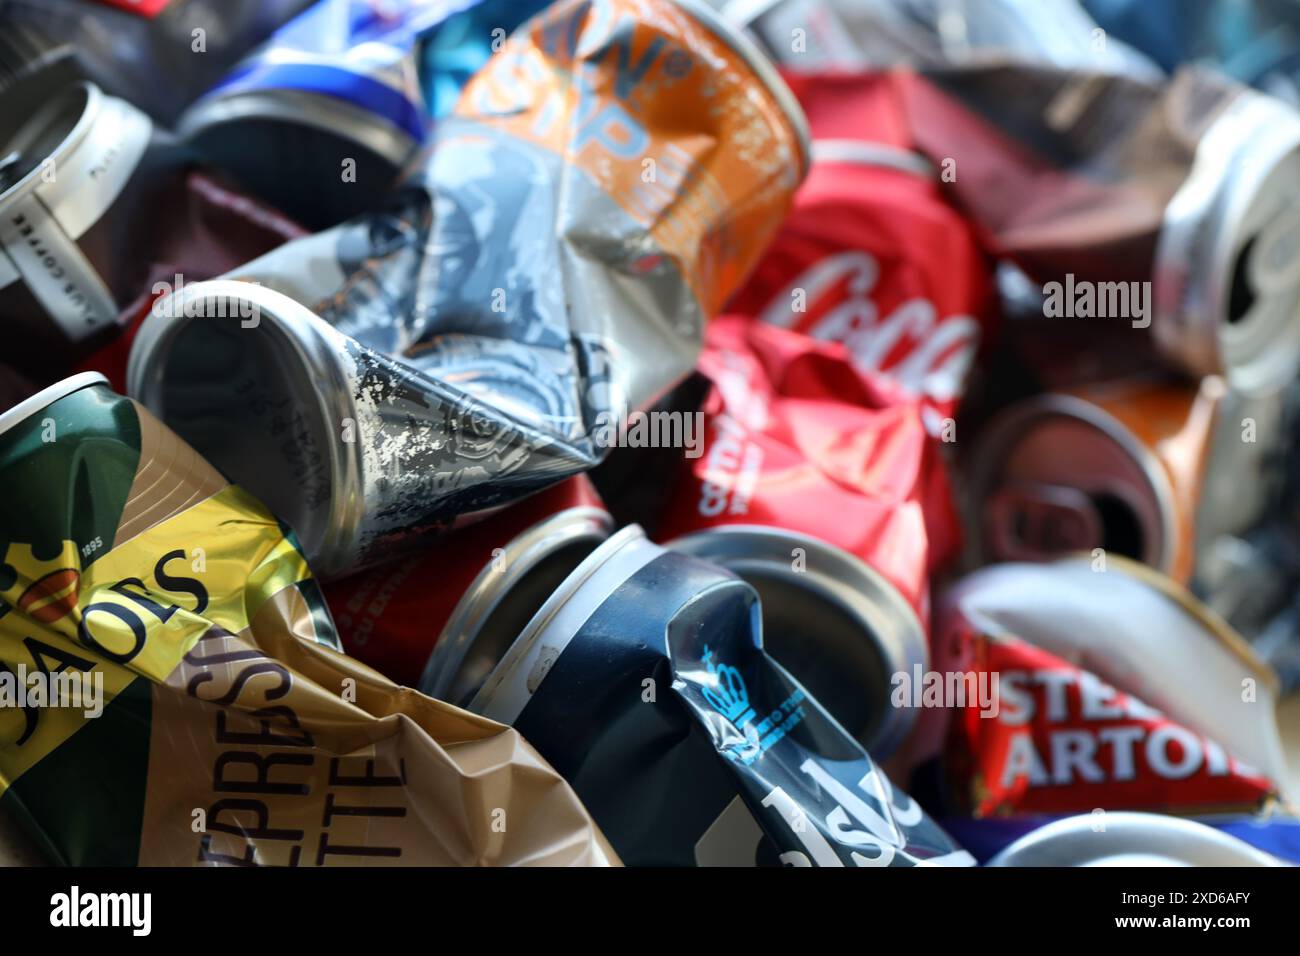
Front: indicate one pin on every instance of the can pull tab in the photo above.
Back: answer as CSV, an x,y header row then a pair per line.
x,y
1035,522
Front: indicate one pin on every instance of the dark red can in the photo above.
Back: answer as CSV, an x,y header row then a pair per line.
x,y
426,620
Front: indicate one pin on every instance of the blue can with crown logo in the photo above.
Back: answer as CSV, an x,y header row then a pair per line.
x,y
644,682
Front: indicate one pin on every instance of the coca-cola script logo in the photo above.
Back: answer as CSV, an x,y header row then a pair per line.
x,y
927,355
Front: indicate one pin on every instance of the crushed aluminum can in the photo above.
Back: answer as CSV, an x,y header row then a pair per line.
x,y
872,255
83,249
1116,466
63,170
836,625
643,680
477,336
1161,217
1130,839
426,619
207,657
797,437
337,85
818,484
1115,689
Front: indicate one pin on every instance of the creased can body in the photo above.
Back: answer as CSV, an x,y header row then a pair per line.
x,y
871,254
423,620
1115,689
1161,219
818,483
164,638
525,285
644,682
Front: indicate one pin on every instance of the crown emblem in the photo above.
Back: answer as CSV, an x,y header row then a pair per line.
x,y
728,695
44,590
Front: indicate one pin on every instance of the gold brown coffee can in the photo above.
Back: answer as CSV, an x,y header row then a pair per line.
x,y
164,644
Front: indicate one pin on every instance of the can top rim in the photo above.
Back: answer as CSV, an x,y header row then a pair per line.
x,y
746,12
742,543
297,334
528,550
1012,424
1076,841
618,556
94,98
48,396
1206,219
763,67
304,108
833,575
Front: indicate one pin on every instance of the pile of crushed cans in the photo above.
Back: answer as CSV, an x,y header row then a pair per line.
x,y
657,432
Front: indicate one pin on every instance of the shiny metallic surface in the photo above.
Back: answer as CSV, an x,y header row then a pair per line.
x,y
1246,470
1052,446
459,348
1227,269
839,627
294,107
221,385
1114,838
504,596
1141,634
522,666
48,396
867,153
67,165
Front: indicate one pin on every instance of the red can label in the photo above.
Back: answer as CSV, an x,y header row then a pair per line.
x,y
796,437
872,256
1058,739
391,617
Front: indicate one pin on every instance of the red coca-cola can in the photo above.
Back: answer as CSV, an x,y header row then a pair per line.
x,y
425,621
871,254
818,483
